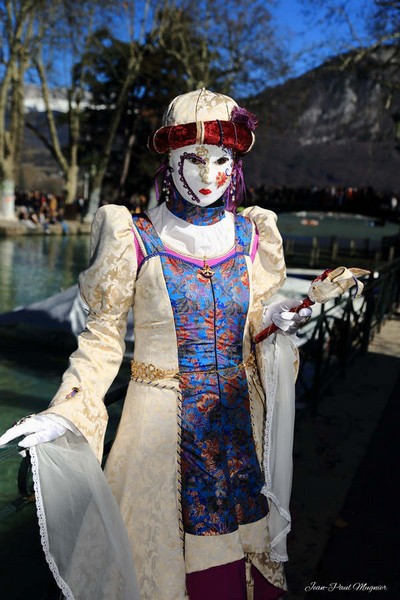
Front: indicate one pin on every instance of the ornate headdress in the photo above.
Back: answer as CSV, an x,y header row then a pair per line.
x,y
204,117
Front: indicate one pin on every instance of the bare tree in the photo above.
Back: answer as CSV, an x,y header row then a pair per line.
x,y
232,46
141,20
74,28
17,32
133,66
30,30
63,38
177,36
250,55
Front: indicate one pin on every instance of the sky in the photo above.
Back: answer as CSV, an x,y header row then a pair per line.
x,y
306,37
302,33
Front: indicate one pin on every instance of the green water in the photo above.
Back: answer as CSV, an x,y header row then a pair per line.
x,y
35,267
31,269
28,379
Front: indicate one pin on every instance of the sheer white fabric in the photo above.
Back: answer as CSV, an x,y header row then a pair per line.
x,y
75,507
197,240
277,356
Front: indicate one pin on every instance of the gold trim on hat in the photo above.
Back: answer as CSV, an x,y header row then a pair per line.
x,y
199,132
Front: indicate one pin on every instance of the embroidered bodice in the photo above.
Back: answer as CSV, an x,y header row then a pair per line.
x,y
221,477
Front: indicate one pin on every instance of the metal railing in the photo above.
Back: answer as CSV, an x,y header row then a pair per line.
x,y
324,251
341,330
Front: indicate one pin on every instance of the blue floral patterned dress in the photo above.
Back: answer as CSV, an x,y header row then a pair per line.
x,y
221,475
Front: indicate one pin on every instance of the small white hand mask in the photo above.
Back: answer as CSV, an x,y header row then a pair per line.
x,y
201,173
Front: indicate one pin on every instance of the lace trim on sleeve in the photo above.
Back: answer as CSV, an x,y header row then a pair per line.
x,y
44,538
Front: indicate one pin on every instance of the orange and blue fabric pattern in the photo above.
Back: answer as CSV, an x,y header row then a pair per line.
x,y
221,475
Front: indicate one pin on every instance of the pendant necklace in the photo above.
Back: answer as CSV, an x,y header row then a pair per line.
x,y
206,270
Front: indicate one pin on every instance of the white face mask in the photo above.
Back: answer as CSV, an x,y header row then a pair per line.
x,y
201,173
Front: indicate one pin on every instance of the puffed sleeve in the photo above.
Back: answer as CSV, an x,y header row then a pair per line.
x,y
269,270
107,287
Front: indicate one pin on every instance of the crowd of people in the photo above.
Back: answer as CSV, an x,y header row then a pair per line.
x,y
37,209
40,209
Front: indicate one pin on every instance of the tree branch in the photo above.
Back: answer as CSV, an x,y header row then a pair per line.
x,y
42,138
50,116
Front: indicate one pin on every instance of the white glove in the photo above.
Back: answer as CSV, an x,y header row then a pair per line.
x,y
37,429
289,322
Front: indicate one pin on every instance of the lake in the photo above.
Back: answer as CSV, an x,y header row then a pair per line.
x,y
35,267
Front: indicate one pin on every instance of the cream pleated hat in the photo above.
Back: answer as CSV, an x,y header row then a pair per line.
x,y
204,117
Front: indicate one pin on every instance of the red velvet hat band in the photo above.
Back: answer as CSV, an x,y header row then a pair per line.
x,y
220,133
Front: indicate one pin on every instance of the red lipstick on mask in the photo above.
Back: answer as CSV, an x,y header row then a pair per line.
x,y
205,191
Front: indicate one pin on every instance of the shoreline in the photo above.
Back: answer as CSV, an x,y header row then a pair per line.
x,y
18,228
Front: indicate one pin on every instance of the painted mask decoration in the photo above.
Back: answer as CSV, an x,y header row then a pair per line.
x,y
201,173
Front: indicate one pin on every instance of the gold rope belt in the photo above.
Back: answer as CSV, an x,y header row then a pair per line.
x,y
150,372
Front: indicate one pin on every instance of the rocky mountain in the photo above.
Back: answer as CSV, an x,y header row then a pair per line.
x,y
328,127
33,99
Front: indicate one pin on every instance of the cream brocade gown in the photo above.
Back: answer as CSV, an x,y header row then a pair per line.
x,y
143,468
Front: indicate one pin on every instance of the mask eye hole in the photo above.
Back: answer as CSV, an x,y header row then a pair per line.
x,y
194,160
223,160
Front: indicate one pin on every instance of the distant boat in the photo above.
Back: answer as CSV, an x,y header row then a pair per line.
x,y
309,222
57,319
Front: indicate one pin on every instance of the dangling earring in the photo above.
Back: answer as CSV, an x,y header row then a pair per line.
x,y
167,183
165,190
163,174
231,195
233,189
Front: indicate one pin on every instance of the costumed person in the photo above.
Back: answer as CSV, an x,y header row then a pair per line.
x,y
200,469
